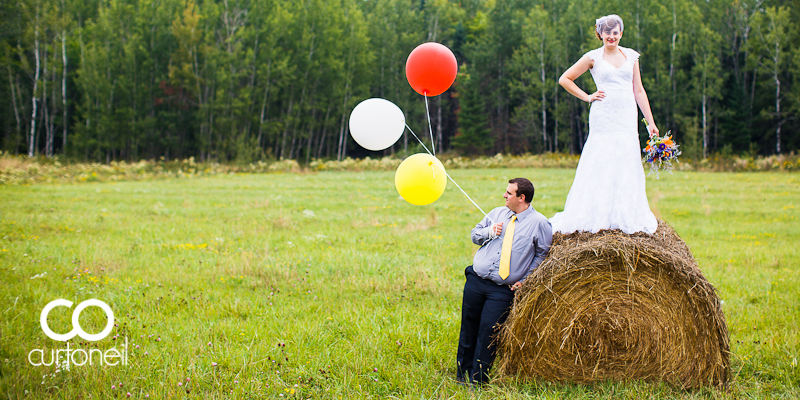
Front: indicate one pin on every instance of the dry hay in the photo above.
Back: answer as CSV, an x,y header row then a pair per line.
x,y
612,306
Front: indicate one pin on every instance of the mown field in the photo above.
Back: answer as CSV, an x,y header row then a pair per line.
x,y
328,285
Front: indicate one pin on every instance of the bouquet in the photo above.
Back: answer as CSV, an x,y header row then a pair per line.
x,y
659,153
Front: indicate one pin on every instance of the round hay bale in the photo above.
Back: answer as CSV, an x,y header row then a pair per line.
x,y
613,306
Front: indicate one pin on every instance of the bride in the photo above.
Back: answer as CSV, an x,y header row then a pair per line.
x,y
609,187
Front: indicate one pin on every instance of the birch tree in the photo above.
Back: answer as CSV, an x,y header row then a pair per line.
x,y
769,54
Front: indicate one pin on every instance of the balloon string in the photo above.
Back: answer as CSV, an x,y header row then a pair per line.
x,y
416,137
469,198
451,178
429,125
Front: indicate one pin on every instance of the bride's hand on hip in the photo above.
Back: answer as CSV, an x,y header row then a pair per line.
x,y
598,95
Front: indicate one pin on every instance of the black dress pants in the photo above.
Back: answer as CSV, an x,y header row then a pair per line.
x,y
485,306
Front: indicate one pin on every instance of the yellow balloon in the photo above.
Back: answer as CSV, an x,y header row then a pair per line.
x,y
420,179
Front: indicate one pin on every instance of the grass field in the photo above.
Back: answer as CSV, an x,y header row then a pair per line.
x,y
328,285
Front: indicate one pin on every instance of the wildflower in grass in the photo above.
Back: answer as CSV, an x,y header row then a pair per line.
x,y
180,383
213,364
187,379
129,394
113,387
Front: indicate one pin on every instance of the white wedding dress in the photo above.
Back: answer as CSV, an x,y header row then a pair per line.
x,y
609,187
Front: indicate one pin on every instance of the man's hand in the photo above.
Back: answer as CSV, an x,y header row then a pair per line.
x,y
515,286
497,228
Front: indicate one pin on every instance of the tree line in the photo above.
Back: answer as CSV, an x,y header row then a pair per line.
x,y
244,80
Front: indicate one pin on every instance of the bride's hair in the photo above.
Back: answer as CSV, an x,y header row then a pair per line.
x,y
606,24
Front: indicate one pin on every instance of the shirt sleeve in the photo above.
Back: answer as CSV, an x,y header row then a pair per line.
x,y
481,232
541,241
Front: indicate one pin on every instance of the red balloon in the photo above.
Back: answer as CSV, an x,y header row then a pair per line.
x,y
431,69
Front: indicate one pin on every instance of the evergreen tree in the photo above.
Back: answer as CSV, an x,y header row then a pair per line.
x,y
473,135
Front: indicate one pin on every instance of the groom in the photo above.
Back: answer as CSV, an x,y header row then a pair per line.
x,y
514,240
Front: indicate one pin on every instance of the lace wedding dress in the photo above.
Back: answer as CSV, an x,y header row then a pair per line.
x,y
609,187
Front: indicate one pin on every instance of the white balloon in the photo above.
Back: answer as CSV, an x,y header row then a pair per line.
x,y
376,124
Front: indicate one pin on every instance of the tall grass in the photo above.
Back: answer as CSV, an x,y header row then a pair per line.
x,y
20,170
328,285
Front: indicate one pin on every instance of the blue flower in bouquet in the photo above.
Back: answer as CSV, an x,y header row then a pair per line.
x,y
659,153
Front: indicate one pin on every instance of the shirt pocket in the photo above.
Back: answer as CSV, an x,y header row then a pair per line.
x,y
521,246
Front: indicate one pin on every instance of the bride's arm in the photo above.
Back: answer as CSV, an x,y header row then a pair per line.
x,y
641,99
568,78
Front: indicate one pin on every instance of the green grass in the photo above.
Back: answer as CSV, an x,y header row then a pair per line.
x,y
331,286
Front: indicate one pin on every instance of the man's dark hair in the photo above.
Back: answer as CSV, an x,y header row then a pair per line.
x,y
525,187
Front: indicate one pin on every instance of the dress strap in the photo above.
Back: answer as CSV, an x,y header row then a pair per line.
x,y
595,54
631,54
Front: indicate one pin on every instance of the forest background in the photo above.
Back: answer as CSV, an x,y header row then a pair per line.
x,y
251,80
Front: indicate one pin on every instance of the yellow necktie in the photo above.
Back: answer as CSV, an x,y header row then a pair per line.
x,y
505,254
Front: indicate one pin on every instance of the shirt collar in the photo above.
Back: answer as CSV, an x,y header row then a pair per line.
x,y
521,216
